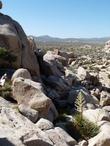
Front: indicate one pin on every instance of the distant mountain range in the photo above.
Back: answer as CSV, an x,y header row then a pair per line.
x,y
50,39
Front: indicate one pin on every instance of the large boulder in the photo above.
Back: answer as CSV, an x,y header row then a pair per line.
x,y
21,72
103,138
30,93
44,124
53,64
17,130
58,84
96,115
82,73
13,38
60,137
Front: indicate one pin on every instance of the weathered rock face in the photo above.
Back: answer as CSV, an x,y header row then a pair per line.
x,y
30,93
13,38
17,130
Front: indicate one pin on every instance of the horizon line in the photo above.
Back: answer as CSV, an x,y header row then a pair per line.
x,y
69,37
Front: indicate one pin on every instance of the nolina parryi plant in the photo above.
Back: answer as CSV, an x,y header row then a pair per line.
x,y
79,104
85,128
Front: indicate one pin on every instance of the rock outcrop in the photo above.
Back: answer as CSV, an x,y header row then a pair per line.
x,y
13,38
48,89
17,130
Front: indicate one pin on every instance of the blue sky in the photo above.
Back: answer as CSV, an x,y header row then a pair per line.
x,y
61,18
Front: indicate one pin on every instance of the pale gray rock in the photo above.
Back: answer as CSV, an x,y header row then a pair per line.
x,y
30,93
103,138
21,72
107,47
104,98
96,115
17,130
107,108
58,136
28,112
53,64
82,73
64,135
44,124
83,143
38,138
104,78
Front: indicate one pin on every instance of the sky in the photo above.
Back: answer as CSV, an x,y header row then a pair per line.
x,y
61,18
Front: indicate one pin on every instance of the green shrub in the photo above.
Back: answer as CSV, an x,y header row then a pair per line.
x,y
6,55
3,52
6,90
85,128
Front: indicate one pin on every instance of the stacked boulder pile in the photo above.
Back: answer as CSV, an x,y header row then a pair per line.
x,y
45,83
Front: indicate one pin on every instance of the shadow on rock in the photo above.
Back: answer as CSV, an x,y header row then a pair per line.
x,y
5,142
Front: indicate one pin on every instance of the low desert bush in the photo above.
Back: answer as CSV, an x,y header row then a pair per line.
x,y
85,128
6,55
6,91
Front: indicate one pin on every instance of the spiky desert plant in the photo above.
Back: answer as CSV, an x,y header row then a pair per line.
x,y
79,103
84,127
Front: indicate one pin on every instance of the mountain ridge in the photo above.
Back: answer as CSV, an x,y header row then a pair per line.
x,y
47,38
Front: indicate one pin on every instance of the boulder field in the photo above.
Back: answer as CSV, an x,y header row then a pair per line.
x,y
46,85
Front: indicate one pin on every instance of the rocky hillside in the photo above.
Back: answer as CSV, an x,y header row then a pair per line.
x,y
50,39
52,98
